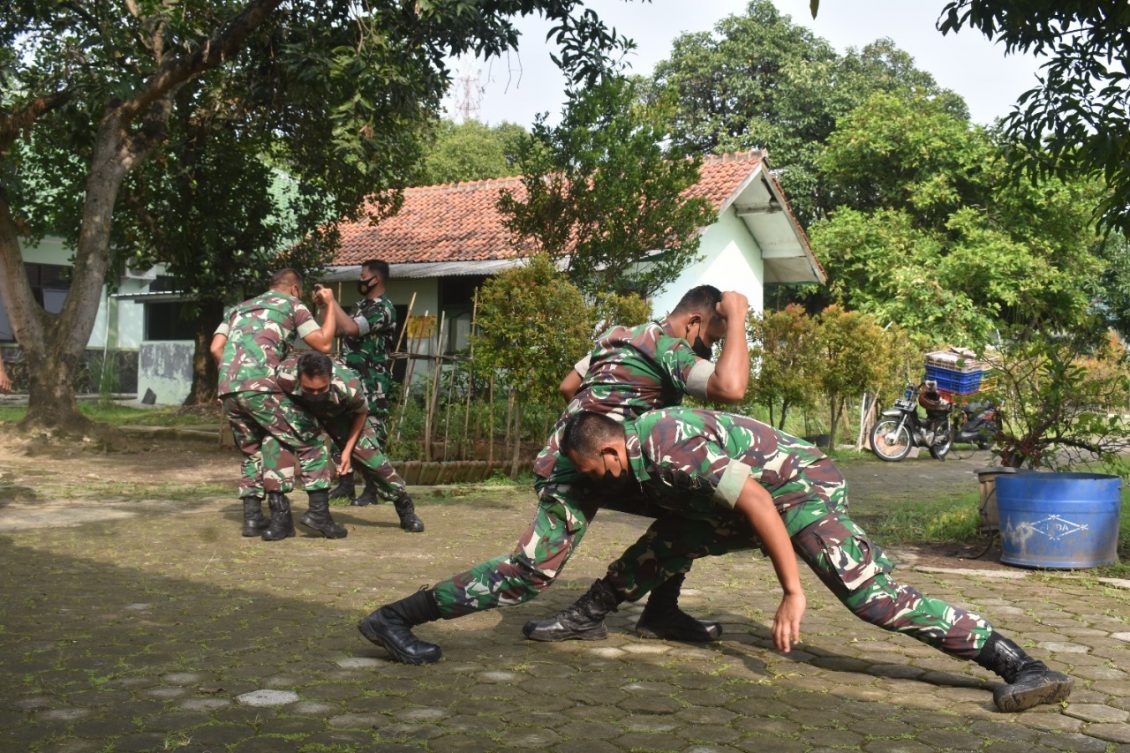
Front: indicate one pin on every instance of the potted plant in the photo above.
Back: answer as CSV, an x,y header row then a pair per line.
x,y
1063,402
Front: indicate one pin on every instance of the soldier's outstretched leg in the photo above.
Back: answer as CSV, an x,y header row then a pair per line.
x,y
582,620
391,627
1029,682
254,522
318,516
282,524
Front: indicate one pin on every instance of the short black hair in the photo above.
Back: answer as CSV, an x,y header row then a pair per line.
x,y
586,431
315,364
701,299
286,276
378,267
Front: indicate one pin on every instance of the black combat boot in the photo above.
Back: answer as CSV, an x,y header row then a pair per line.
x,y
370,496
662,617
406,510
344,488
254,522
1029,681
318,517
281,525
391,627
582,620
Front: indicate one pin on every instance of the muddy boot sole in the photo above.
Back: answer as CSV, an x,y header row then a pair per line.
x,y
1057,688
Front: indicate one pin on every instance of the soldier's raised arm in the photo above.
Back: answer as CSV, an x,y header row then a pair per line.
x,y
731,373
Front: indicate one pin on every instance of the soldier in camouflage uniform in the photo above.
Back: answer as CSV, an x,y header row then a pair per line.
x,y
727,476
248,346
334,402
628,372
368,338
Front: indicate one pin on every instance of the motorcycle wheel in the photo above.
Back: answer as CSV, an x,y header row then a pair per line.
x,y
890,440
939,450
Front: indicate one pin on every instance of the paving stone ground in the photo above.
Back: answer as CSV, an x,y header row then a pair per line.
x,y
146,623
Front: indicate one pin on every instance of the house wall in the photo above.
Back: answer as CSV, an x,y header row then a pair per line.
x,y
731,260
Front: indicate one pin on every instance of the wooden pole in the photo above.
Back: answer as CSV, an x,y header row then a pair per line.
x,y
407,318
470,375
407,382
433,396
490,423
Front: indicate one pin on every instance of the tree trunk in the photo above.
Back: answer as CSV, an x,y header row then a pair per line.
x,y
833,425
516,457
205,376
54,344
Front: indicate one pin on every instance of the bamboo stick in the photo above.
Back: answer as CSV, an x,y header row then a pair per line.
x,y
490,423
408,371
470,374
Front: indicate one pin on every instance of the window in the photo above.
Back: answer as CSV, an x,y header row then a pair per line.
x,y
49,285
168,320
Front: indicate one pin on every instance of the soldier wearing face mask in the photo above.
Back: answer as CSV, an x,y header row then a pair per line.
x,y
631,370
333,401
368,334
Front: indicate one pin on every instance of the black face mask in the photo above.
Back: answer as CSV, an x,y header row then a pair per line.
x,y
364,286
701,349
319,399
610,482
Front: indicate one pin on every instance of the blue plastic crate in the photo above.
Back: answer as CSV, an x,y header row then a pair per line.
x,y
955,381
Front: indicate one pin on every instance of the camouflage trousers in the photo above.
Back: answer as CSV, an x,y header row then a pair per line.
x,y
267,428
366,454
377,393
845,559
566,506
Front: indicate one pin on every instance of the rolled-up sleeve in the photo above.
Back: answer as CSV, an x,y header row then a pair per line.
x,y
732,482
697,379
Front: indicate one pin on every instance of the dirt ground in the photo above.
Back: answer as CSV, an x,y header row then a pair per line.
x,y
54,483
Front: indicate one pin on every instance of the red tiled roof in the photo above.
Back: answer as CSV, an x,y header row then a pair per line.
x,y
460,221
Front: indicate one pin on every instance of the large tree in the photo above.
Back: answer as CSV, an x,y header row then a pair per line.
x,y
93,86
933,235
1078,117
605,196
470,151
761,81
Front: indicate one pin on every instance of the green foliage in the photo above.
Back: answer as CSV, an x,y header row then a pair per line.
x,y
785,361
470,151
533,326
1075,122
1063,398
761,81
854,355
338,94
603,195
933,236
612,308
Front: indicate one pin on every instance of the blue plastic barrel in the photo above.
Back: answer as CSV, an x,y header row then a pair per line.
x,y
1059,520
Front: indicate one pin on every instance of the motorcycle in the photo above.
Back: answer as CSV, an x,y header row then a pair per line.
x,y
899,429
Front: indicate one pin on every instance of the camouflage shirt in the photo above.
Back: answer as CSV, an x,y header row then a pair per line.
x,y
631,370
345,396
697,461
260,332
368,352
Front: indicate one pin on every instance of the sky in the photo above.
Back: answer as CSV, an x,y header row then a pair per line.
x,y
518,86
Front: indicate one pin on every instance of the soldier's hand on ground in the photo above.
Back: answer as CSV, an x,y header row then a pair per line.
x,y
786,623
733,304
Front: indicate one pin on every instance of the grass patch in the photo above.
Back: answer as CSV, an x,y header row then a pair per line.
x,y
951,519
124,415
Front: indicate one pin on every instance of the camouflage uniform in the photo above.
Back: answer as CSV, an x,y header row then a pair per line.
x,y
696,462
335,415
264,423
631,370
369,354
